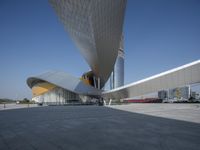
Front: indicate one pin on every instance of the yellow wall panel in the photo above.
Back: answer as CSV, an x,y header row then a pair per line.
x,y
42,88
86,81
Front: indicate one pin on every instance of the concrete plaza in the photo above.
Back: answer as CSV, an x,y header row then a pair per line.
x,y
94,127
179,111
16,106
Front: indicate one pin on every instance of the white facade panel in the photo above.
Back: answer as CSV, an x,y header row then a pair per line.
x,y
184,75
195,73
188,75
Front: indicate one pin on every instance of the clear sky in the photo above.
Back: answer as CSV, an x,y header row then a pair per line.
x,y
159,35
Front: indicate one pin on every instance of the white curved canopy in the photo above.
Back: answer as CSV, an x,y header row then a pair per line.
x,y
96,28
181,76
64,81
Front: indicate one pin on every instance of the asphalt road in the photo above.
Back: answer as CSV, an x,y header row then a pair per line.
x,y
93,128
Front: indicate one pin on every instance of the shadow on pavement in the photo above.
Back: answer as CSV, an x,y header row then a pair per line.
x,y
93,127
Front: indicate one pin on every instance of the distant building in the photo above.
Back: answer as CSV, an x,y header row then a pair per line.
x,y
117,75
162,94
193,94
180,93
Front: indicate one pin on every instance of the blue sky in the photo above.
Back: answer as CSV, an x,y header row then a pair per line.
x,y
159,35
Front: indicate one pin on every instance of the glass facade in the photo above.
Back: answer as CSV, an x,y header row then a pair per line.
x,y
118,72
117,76
57,96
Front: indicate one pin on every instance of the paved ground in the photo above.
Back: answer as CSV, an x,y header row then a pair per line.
x,y
95,128
185,112
16,106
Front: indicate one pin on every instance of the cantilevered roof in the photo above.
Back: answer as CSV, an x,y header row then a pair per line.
x,y
96,28
64,81
180,76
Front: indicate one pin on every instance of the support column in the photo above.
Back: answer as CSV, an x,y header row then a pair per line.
x,y
110,102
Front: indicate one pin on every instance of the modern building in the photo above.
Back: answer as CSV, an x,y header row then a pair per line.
x,y
96,27
55,87
117,75
175,94
179,93
162,94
